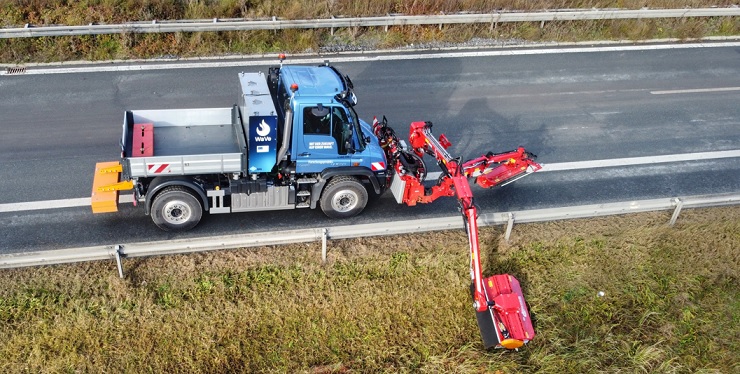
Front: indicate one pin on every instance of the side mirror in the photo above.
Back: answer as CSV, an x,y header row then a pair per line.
x,y
347,98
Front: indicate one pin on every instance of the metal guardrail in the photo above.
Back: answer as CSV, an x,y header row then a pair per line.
x,y
179,246
275,23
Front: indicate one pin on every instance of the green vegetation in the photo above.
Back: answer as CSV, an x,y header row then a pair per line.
x,y
671,304
15,13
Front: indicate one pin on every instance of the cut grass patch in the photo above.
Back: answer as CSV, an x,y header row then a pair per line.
x,y
394,304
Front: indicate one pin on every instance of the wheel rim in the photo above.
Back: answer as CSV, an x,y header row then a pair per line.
x,y
176,212
344,201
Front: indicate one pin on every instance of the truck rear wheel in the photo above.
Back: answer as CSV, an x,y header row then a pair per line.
x,y
176,209
343,197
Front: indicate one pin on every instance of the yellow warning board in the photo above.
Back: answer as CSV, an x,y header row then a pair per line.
x,y
106,173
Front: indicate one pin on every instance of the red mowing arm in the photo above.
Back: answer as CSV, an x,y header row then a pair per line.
x,y
503,317
501,169
454,183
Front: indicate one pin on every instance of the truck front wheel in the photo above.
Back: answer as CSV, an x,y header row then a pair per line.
x,y
176,209
343,197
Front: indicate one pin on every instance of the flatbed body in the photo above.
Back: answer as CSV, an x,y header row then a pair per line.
x,y
185,142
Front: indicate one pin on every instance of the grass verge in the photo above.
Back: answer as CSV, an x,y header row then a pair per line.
x,y
394,304
15,13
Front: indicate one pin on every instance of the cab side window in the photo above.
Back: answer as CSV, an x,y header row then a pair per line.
x,y
330,121
316,121
341,129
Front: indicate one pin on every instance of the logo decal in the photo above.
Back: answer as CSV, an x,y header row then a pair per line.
x,y
264,129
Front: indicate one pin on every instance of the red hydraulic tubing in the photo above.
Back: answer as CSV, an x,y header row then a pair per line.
x,y
503,317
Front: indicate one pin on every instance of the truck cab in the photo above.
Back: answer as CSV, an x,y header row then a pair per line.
x,y
330,133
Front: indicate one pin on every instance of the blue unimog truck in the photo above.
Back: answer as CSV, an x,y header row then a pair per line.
x,y
292,141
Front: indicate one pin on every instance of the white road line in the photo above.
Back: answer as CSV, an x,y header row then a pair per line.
x,y
55,204
629,161
370,56
47,204
697,90
561,166
646,160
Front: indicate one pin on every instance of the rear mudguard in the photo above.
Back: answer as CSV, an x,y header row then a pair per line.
x,y
158,183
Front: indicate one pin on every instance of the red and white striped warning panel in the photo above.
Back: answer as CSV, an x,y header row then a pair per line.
x,y
158,168
376,166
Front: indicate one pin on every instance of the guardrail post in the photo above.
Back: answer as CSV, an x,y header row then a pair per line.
x,y
119,263
324,234
677,211
509,226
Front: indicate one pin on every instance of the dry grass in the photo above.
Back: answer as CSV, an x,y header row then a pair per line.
x,y
394,304
15,13
48,12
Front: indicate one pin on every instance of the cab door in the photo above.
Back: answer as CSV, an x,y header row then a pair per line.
x,y
326,133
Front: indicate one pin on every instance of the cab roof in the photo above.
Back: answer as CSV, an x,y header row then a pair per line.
x,y
321,81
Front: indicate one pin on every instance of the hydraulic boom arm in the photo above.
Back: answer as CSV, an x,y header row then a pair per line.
x,y
502,314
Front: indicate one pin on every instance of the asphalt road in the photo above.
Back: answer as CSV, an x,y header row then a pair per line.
x,y
563,107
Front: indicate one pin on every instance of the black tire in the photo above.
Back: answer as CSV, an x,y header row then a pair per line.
x,y
175,208
343,197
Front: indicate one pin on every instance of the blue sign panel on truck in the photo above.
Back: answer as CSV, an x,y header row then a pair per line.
x,y
262,143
